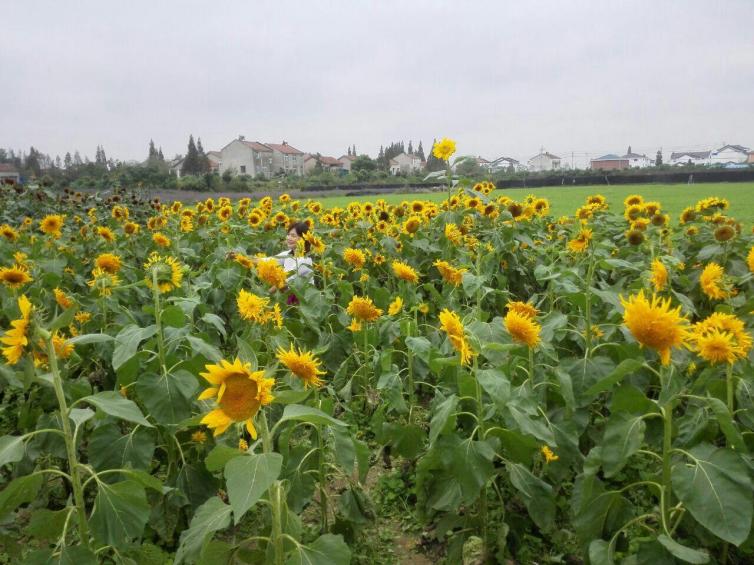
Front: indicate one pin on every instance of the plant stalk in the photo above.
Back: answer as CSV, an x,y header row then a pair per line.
x,y
158,322
482,434
274,495
730,382
322,472
667,418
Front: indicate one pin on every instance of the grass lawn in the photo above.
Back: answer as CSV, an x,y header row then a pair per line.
x,y
565,200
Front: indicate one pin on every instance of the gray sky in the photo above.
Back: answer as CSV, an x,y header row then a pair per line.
x,y
502,78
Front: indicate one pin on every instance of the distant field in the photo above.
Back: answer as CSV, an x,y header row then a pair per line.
x,y
565,200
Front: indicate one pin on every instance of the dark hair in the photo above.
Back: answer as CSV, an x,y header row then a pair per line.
x,y
301,228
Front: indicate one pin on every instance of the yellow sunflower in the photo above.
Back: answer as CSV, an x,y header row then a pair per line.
x,y
239,393
63,300
51,225
522,327
161,239
108,262
412,225
395,306
131,228
270,271
659,277
251,307
444,149
106,234
523,308
303,364
654,324
750,259
16,276
8,232
581,241
103,282
721,338
363,309
354,257
451,324
15,339
169,272
449,273
405,272
712,281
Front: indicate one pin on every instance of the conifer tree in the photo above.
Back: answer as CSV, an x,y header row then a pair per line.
x,y
152,151
420,152
410,147
67,160
191,165
160,156
354,150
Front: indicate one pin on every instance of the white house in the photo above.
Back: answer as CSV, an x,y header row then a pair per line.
x,y
328,164
215,159
243,157
395,167
9,174
407,163
636,160
286,159
728,154
346,161
504,164
175,166
544,162
690,158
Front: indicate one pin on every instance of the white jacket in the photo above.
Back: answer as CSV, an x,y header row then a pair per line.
x,y
299,266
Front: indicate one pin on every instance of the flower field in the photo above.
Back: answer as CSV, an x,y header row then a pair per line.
x,y
573,389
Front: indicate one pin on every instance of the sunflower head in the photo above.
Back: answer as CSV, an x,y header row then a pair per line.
x,y
108,262
395,306
16,338
354,257
713,282
168,270
721,338
523,308
363,309
449,273
444,149
451,324
270,271
654,324
303,364
16,276
51,225
251,307
659,275
522,327
405,272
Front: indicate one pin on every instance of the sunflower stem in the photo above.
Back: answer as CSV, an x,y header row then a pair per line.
x,y
482,434
70,447
410,361
667,417
588,307
158,322
729,382
322,472
274,494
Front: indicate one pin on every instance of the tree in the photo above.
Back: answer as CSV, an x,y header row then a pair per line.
x,y
203,159
100,158
77,162
410,147
629,151
354,150
152,151
191,164
160,156
32,163
363,163
469,168
658,159
67,160
420,152
349,150
58,162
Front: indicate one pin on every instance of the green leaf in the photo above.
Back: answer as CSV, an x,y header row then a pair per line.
x,y
248,478
80,416
77,555
64,319
496,384
682,552
219,456
308,414
536,494
727,425
168,398
19,491
210,517
11,449
626,367
215,321
599,553
328,549
407,440
86,339
47,524
173,317
717,490
127,343
111,449
623,437
443,418
112,403
198,345
120,513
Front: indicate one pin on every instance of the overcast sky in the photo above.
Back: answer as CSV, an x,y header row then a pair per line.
x,y
502,78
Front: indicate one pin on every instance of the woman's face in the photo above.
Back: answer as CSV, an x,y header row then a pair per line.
x,y
292,239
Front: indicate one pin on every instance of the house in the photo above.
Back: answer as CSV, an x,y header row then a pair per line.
x,y
247,158
690,158
214,158
728,154
346,161
286,159
328,164
175,166
504,164
407,163
395,167
9,174
609,162
750,159
544,162
638,160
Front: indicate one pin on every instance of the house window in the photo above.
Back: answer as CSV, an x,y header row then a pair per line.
x,y
243,169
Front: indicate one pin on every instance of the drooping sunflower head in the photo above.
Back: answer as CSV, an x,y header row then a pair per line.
x,y
452,325
303,364
103,282
106,233
16,276
8,232
412,225
713,283
168,271
659,275
363,309
523,308
654,324
405,272
632,200
161,239
580,243
108,262
63,300
449,273
16,338
725,233
251,307
395,306
239,393
523,328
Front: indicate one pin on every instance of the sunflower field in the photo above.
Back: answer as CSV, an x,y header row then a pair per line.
x,y
547,390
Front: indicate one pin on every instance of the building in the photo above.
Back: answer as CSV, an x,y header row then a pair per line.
x,y
729,154
609,162
9,174
395,167
286,159
504,164
346,161
750,159
638,160
690,158
544,162
215,159
407,163
252,158
328,164
175,166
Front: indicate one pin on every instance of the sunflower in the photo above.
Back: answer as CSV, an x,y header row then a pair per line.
x,y
635,237
169,272
688,215
16,276
750,259
354,257
453,234
274,316
254,219
395,306
412,225
523,308
51,225
106,234
225,213
103,281
363,309
405,272
251,307
63,300
449,273
15,339
721,338
522,327
451,324
243,260
632,200
659,277
303,364
239,393
270,271
316,245
711,279
444,149
8,232
161,239
654,324
108,262
131,228
724,233
581,241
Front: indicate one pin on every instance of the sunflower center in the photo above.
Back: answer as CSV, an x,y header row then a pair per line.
x,y
14,277
240,400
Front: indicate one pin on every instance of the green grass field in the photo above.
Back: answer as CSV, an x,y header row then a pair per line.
x,y
565,200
